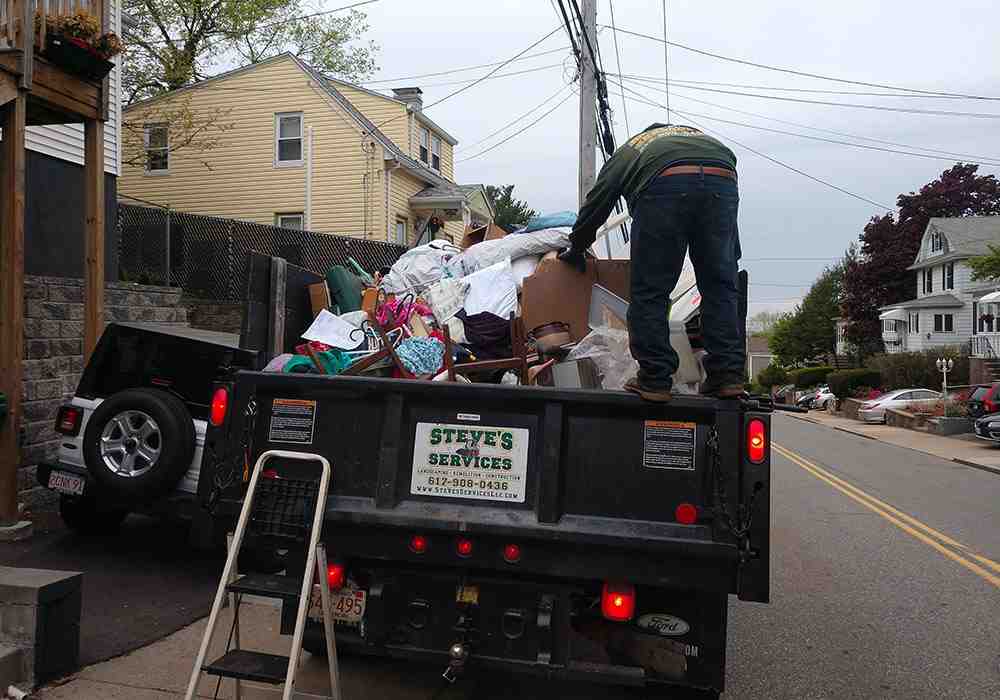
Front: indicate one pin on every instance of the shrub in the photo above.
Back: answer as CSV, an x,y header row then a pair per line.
x,y
906,370
809,376
846,382
772,375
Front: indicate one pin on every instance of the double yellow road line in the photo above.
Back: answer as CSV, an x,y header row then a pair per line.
x,y
982,566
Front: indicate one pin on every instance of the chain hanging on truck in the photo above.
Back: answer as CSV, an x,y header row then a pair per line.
x,y
740,528
227,467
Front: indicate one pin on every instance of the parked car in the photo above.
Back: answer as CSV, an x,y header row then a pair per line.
x,y
874,411
988,427
984,400
806,400
823,398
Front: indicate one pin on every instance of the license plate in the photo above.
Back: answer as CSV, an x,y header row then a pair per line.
x,y
348,605
67,483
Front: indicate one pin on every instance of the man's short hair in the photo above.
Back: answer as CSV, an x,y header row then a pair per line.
x,y
674,128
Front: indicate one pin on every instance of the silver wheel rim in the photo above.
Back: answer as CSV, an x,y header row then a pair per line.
x,y
131,444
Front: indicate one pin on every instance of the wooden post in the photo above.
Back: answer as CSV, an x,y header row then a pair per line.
x,y
93,175
12,200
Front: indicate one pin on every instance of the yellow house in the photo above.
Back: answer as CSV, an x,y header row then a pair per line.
x,y
302,150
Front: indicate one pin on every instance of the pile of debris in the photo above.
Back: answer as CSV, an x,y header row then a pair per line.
x,y
502,310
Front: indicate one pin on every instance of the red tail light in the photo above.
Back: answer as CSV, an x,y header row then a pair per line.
x,y
220,404
512,554
756,441
335,576
68,420
464,547
989,406
418,544
686,514
618,601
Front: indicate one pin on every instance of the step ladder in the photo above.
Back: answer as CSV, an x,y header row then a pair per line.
x,y
282,513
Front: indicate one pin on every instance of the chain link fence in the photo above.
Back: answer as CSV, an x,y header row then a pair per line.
x,y
207,256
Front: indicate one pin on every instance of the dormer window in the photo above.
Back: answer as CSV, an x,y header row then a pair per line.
x,y
937,242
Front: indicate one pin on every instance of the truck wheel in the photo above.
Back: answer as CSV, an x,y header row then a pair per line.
x,y
139,443
82,516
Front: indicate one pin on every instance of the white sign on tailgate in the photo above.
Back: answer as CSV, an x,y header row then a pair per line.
x,y
463,461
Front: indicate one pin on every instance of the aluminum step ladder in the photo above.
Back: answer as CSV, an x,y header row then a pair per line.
x,y
284,498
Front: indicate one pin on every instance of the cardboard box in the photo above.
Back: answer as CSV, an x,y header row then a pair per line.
x,y
319,297
558,292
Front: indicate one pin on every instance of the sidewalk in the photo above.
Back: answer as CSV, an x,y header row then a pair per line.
x,y
963,449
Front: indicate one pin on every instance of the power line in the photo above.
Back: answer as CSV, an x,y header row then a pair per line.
x,y
618,57
515,121
479,80
499,75
830,131
460,70
519,131
805,74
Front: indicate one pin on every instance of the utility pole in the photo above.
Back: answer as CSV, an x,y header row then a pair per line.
x,y
588,99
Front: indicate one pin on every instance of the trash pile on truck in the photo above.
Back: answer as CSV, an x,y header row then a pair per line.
x,y
497,308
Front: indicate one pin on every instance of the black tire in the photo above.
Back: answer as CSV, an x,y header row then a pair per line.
x,y
172,440
82,516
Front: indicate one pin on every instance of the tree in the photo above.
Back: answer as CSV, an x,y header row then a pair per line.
x,y
509,213
986,267
810,331
179,42
763,322
878,275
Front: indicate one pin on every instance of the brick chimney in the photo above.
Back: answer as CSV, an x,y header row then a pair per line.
x,y
411,96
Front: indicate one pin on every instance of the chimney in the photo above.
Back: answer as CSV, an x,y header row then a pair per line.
x,y
411,96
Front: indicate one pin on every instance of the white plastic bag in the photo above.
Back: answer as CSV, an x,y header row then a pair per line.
x,y
492,289
514,247
608,349
419,268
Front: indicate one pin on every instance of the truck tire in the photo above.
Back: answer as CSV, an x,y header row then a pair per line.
x,y
82,516
138,444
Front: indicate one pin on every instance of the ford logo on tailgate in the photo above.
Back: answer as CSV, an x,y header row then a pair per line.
x,y
663,624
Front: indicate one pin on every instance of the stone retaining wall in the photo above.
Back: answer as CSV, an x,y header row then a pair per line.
x,y
225,317
53,356
849,407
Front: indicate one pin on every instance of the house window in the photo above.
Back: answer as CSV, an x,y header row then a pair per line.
x,y
436,152
928,274
288,139
949,276
937,242
293,220
401,234
914,323
157,137
425,145
944,323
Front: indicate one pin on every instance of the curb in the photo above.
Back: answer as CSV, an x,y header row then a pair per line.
x,y
977,465
836,427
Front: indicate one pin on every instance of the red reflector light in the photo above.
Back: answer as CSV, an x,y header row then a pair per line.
x,y
270,474
512,554
756,441
335,576
464,547
418,544
220,403
618,601
68,420
686,514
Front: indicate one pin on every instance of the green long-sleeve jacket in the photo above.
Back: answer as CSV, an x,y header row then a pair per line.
x,y
631,168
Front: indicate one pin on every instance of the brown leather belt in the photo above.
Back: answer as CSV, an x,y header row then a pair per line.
x,y
697,170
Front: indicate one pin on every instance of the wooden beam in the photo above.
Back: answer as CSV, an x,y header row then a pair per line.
x,y
13,116
93,174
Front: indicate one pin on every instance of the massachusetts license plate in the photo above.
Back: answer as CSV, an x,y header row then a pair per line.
x,y
67,483
348,605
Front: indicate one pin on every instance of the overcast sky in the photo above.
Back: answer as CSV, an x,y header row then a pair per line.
x,y
930,46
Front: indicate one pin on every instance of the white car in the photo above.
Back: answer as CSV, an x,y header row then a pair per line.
x,y
823,398
874,411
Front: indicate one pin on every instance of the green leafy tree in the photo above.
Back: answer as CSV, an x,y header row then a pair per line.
x,y
986,267
763,322
772,375
509,213
810,331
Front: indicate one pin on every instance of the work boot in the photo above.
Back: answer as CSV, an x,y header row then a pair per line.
x,y
647,393
731,390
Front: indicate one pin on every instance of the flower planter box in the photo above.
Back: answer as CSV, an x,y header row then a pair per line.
x,y
951,426
75,56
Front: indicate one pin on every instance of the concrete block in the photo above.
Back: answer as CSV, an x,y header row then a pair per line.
x,y
14,533
26,478
37,349
35,290
75,312
53,310
38,432
47,368
67,346
43,389
115,297
73,293
44,410
71,329
42,452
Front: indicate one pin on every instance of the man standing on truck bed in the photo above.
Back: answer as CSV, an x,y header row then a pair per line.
x,y
680,185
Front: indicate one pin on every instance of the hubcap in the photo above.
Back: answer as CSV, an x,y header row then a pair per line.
x,y
131,443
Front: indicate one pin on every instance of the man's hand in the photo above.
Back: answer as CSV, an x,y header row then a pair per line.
x,y
574,257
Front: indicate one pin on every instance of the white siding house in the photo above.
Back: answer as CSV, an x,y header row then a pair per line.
x,y
946,310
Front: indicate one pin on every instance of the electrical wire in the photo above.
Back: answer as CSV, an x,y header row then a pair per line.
x,y
519,131
831,131
764,155
460,70
514,121
618,60
495,77
477,81
806,74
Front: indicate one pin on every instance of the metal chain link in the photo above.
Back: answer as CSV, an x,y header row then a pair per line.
x,y
741,528
227,468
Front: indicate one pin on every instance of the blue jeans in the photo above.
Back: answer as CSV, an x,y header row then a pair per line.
x,y
673,214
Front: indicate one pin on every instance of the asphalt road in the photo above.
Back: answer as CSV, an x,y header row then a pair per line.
x,y
884,584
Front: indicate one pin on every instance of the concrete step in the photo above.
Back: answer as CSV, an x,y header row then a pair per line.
x,y
13,666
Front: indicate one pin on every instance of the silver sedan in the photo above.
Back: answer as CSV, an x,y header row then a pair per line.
x,y
874,411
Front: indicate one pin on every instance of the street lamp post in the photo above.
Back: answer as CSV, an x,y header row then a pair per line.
x,y
944,366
